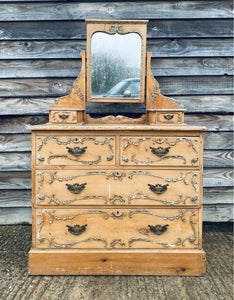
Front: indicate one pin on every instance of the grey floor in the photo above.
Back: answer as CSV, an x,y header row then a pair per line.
x,y
15,283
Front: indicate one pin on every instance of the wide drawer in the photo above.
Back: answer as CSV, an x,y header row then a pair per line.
x,y
117,187
122,228
160,151
75,150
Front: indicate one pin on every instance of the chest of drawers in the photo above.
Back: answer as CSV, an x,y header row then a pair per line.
x,y
117,200
116,195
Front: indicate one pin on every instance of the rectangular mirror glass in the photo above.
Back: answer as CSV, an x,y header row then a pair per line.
x,y
116,60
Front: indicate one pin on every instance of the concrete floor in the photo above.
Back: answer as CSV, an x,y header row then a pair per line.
x,y
15,283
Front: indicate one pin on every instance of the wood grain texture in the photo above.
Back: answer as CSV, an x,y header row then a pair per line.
x,y
216,123
31,49
21,161
191,263
19,215
69,30
22,198
22,142
42,41
160,67
194,104
213,177
218,213
221,177
15,180
56,87
116,10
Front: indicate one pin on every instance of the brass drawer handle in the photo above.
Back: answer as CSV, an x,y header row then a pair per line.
x,y
76,151
158,229
158,188
63,116
76,188
77,229
160,151
168,117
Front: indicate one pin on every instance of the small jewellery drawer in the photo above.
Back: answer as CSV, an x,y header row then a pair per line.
x,y
63,117
75,150
170,117
159,151
117,228
117,187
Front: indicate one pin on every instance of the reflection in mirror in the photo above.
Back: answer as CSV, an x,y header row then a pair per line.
x,y
115,65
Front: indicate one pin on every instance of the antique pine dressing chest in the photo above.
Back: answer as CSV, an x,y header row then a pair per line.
x,y
116,195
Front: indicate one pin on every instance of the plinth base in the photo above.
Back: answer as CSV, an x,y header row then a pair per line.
x,y
117,262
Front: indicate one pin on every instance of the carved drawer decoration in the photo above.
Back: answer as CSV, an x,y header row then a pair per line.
x,y
169,117
125,228
116,187
160,151
75,150
63,117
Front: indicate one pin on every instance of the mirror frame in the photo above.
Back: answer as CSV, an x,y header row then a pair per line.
x,y
120,27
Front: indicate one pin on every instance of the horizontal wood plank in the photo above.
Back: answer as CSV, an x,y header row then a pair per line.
x,y
71,68
193,85
213,177
16,215
21,161
22,142
22,198
15,180
211,213
67,30
159,47
15,198
116,10
218,195
215,123
193,104
218,213
218,177
211,121
218,159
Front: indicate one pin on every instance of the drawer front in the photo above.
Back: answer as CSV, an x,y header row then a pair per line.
x,y
64,117
169,117
160,151
123,228
75,150
117,187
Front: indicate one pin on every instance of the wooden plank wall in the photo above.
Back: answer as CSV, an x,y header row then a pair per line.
x,y
40,43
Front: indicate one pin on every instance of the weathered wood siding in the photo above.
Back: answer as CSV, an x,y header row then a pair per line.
x,y
192,50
